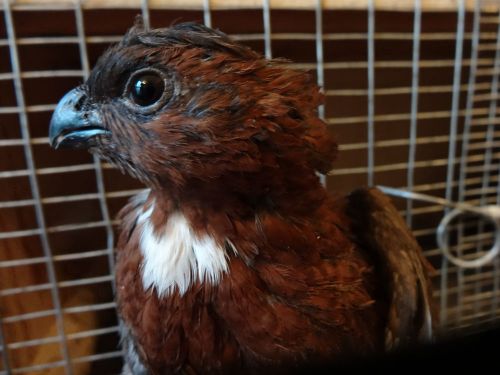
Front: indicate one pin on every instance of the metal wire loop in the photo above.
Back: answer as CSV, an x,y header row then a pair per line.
x,y
491,212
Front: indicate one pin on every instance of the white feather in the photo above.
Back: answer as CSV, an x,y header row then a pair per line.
x,y
175,257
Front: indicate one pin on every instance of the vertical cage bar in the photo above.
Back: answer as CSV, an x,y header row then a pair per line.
x,y
470,101
417,14
207,13
490,136
496,266
3,349
457,70
466,141
371,91
490,133
39,213
101,190
320,68
266,14
146,19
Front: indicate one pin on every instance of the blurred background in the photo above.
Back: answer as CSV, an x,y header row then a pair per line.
x,y
411,90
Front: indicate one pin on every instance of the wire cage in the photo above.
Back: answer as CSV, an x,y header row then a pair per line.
x,y
411,90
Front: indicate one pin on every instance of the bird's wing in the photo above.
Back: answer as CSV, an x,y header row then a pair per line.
x,y
380,229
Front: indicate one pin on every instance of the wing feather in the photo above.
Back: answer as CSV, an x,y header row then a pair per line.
x,y
381,229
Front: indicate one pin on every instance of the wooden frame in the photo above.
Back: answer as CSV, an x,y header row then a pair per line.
x,y
392,5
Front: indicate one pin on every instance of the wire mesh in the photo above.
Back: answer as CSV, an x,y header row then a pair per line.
x,y
414,106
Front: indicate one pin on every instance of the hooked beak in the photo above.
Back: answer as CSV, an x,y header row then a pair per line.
x,y
72,125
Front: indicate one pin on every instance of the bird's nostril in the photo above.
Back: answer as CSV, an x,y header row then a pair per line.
x,y
79,102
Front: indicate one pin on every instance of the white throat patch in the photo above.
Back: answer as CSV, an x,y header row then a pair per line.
x,y
176,257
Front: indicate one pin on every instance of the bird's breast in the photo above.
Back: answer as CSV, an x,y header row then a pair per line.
x,y
175,256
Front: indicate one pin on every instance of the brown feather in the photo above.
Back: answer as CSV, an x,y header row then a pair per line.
x,y
236,150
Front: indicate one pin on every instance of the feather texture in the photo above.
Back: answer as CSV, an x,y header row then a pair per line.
x,y
237,259
174,257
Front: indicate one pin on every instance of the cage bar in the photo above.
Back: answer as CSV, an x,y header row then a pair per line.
x,y
266,19
414,107
101,190
207,13
23,119
470,163
371,96
487,166
320,69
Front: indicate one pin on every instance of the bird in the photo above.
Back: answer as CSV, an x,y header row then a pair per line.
x,y
235,258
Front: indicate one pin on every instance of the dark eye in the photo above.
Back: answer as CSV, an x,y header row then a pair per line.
x,y
146,89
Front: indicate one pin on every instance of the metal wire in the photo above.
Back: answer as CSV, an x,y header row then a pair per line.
x,y
489,138
207,13
491,213
471,298
266,14
35,368
438,36
145,15
414,108
466,135
417,164
389,64
489,155
51,312
56,339
346,147
3,349
62,284
492,112
23,120
320,69
496,265
371,89
69,198
101,190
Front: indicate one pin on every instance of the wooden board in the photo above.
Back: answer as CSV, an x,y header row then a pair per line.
x,y
395,5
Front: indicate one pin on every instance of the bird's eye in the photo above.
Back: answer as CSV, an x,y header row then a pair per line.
x,y
146,89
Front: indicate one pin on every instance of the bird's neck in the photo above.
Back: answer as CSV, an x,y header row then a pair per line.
x,y
245,195
192,241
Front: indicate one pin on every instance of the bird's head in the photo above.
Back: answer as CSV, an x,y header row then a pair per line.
x,y
188,105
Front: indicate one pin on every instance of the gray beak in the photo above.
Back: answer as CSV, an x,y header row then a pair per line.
x,y
73,124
